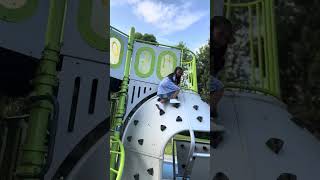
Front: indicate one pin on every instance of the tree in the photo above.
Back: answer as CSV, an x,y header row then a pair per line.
x,y
145,37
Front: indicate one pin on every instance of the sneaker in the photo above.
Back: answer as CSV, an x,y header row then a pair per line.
x,y
174,101
160,106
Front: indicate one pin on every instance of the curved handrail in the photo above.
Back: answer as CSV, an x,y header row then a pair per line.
x,y
191,81
121,157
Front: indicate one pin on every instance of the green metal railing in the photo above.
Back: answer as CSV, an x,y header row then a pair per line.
x,y
190,81
262,44
120,156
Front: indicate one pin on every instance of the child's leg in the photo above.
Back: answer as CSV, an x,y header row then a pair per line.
x,y
174,95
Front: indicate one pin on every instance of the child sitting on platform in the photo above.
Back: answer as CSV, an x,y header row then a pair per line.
x,y
168,89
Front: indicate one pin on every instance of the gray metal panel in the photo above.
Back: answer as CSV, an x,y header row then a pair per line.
x,y
84,122
93,165
134,97
153,78
218,7
154,139
28,36
73,43
199,170
250,120
119,71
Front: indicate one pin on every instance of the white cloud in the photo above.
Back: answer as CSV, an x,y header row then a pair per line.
x,y
168,18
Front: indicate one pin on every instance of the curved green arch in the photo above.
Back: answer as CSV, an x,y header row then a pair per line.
x,y
19,14
160,58
114,35
137,59
90,36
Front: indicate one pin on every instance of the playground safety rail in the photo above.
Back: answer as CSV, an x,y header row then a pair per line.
x,y
262,47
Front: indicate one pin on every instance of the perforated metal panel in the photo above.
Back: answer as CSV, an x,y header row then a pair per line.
x,y
137,92
77,117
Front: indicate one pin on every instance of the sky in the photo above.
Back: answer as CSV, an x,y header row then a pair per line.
x,y
171,21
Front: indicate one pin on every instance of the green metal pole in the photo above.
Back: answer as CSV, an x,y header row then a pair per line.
x,y
270,47
275,48
122,101
34,149
252,55
265,47
259,45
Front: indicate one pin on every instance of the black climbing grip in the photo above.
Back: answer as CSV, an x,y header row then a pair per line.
x,y
129,138
220,176
275,144
199,118
183,166
179,119
205,148
176,105
161,112
287,176
193,157
150,171
140,141
158,99
182,146
196,107
135,122
163,127
215,139
136,177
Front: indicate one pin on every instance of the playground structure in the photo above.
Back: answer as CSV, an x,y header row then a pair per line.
x,y
65,136
136,117
261,139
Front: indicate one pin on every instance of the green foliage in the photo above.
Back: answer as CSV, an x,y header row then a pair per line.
x,y
145,37
203,71
299,59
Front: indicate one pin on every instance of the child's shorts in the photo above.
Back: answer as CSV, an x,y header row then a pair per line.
x,y
166,96
215,84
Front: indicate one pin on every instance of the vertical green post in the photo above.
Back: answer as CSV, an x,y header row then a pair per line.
x,y
34,149
275,49
265,46
122,101
270,47
261,78
252,56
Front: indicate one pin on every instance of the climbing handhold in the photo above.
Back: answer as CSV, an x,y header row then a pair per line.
x,y
140,141
205,148
179,119
161,112
287,176
199,118
150,171
163,127
275,144
176,105
220,176
159,99
135,122
183,166
129,138
182,146
196,107
136,177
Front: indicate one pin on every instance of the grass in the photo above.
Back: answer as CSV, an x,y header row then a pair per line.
x,y
168,149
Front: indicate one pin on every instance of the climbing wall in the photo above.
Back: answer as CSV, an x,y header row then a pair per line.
x,y
261,142
147,133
